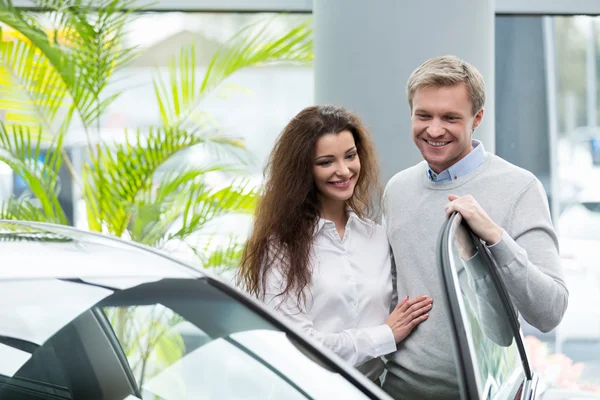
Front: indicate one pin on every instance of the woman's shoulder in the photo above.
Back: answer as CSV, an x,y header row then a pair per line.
x,y
372,228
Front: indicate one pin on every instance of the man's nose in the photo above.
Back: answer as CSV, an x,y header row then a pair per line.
x,y
435,129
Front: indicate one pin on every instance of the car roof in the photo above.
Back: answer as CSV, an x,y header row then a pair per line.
x,y
42,250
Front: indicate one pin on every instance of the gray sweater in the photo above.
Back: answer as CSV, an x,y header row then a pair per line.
x,y
424,366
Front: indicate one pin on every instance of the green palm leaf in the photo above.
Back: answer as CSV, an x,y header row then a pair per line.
x,y
90,51
121,174
31,90
21,209
48,48
203,206
256,45
21,150
224,257
181,93
93,32
157,212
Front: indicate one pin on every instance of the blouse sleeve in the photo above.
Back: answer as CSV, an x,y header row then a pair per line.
x,y
355,346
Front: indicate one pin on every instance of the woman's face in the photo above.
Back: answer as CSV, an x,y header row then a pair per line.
x,y
336,166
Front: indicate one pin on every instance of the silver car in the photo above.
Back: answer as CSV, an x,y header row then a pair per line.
x,y
85,316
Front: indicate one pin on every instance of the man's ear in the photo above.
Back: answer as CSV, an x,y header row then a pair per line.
x,y
478,118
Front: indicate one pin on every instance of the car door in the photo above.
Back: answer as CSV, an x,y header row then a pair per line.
x,y
489,351
151,337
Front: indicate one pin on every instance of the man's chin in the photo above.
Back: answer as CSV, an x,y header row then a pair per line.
x,y
436,162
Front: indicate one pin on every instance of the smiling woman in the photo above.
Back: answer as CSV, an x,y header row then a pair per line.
x,y
314,255
336,169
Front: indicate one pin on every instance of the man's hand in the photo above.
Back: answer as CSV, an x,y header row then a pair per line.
x,y
476,217
462,241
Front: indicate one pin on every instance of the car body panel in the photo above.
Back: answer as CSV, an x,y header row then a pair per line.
x,y
55,278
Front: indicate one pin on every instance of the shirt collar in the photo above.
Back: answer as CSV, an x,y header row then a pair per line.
x,y
322,221
463,167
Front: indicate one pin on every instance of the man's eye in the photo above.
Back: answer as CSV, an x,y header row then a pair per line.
x,y
422,116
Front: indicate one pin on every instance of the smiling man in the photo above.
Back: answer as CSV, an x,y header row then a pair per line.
x,y
506,206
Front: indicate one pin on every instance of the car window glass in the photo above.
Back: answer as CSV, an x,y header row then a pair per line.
x,y
488,329
161,339
166,354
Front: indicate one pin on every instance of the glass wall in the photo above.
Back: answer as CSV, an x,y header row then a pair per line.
x,y
546,107
253,104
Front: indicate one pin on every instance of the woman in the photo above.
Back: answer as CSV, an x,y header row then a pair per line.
x,y
313,254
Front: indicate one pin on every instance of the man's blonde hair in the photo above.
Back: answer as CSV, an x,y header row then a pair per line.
x,y
448,71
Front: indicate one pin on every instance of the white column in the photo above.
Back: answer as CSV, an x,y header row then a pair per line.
x,y
366,50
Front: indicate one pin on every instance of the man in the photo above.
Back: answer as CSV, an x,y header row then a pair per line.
x,y
504,205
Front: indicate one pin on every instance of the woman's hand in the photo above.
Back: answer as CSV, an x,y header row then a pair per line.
x,y
408,314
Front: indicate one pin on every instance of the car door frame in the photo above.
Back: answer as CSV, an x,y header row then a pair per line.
x,y
464,358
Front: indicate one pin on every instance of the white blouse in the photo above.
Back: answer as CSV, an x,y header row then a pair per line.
x,y
349,298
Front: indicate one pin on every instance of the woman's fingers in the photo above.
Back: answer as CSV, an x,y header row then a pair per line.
x,y
401,303
407,303
420,311
416,304
418,320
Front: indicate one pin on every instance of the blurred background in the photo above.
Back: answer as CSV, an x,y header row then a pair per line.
x,y
202,89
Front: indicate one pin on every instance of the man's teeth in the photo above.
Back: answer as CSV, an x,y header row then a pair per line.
x,y
437,144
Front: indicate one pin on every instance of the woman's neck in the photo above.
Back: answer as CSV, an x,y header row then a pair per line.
x,y
335,211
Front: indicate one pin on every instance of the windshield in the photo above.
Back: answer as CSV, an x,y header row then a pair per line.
x,y
159,339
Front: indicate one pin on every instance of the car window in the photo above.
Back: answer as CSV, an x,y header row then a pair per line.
x,y
172,358
486,334
40,372
159,339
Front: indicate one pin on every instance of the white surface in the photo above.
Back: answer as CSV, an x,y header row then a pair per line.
x,y
36,310
11,360
316,381
227,372
25,259
218,370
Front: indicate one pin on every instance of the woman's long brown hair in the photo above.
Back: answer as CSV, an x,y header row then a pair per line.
x,y
288,211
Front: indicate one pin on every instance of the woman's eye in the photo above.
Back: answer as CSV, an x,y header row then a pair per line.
x,y
324,163
351,156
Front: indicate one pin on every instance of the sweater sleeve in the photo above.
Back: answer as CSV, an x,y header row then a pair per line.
x,y
355,346
529,263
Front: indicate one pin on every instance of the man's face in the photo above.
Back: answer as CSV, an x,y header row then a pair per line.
x,y
443,123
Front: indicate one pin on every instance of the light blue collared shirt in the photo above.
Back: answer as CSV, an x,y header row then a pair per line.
x,y
464,166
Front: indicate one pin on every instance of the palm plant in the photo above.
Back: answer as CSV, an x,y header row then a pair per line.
x,y
57,67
